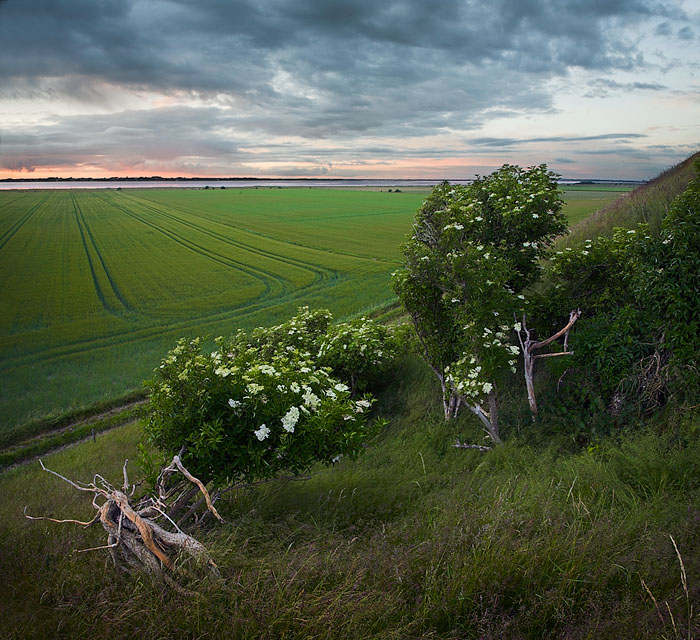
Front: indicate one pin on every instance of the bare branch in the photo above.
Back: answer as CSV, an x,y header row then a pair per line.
x,y
91,488
552,355
133,540
125,486
80,522
477,447
528,346
202,488
573,317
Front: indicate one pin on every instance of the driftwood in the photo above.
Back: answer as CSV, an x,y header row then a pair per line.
x,y
145,536
528,346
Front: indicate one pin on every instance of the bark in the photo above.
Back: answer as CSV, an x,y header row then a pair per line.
x,y
135,538
489,418
528,346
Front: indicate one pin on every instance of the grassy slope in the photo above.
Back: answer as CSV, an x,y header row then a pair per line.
x,y
648,203
413,540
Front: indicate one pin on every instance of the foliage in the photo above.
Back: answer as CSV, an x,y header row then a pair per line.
x,y
473,251
302,332
244,417
361,352
639,292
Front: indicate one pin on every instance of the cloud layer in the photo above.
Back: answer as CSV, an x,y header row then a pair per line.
x,y
224,88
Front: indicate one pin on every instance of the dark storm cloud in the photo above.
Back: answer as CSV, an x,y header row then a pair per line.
x,y
327,71
350,66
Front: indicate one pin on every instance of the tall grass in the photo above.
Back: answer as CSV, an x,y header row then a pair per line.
x,y
415,539
648,203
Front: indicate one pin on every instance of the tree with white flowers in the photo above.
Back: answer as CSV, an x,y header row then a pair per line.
x,y
238,416
473,251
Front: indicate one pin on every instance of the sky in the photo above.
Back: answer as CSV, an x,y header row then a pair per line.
x,y
433,89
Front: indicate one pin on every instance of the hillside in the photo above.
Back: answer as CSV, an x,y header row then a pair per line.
x,y
648,203
583,525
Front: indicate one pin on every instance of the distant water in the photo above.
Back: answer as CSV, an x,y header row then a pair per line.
x,y
217,184
237,184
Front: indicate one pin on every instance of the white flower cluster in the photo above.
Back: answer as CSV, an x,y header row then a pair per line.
x,y
262,433
290,419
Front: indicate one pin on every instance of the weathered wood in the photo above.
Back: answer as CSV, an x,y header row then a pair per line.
x,y
134,539
528,346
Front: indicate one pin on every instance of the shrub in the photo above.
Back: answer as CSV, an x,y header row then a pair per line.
x,y
240,416
360,352
473,250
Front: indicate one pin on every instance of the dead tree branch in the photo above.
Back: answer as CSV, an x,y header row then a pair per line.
x,y
135,539
528,345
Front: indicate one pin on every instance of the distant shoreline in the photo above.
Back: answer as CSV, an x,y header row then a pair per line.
x,y
239,183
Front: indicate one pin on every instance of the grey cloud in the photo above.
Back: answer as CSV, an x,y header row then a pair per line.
x,y
364,63
318,70
686,33
663,29
604,87
511,142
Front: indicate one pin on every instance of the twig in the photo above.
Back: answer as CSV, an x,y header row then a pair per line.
x,y
84,524
477,447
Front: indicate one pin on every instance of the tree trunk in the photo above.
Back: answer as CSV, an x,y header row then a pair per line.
x,y
490,419
528,347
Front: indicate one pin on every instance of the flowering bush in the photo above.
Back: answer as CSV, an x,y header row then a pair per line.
x,y
241,416
361,352
474,248
304,331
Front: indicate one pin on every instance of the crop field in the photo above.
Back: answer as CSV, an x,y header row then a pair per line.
x,y
98,285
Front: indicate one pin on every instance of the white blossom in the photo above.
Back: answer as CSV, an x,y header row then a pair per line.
x,y
262,432
311,399
290,419
361,405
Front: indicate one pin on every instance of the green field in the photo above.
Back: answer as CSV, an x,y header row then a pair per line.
x,y
98,285
583,200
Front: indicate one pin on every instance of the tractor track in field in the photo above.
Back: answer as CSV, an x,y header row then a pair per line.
x,y
85,235
8,235
173,329
226,261
113,285
176,328
320,273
